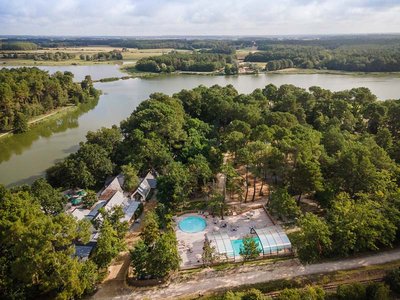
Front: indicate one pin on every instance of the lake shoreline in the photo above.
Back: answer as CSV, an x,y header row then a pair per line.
x,y
331,72
292,71
124,66
43,118
45,144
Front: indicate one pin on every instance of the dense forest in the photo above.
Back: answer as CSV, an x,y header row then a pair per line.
x,y
340,149
101,56
57,56
174,61
29,92
364,58
17,45
37,245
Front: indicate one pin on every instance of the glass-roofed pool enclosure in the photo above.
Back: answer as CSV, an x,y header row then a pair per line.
x,y
271,240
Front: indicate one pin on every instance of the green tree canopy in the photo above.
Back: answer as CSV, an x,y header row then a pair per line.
x,y
313,241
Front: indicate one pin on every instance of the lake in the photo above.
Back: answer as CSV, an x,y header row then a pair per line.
x,y
25,157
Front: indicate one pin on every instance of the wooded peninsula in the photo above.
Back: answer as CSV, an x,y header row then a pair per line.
x,y
341,149
30,92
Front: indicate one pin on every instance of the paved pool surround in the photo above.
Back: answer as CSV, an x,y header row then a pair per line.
x,y
195,240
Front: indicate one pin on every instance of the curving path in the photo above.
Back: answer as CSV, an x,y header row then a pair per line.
x,y
213,280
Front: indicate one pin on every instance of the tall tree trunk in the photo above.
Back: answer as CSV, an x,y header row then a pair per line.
x,y
260,193
298,200
247,184
254,189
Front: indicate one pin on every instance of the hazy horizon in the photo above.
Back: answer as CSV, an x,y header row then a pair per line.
x,y
160,18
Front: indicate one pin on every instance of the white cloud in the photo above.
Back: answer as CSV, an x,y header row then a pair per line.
x,y
200,17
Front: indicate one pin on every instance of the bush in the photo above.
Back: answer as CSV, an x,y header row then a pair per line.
x,y
393,280
378,291
355,291
290,294
283,205
254,294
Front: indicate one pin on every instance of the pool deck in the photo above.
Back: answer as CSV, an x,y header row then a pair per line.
x,y
190,245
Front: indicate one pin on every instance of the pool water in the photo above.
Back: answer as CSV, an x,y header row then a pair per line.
x,y
192,224
237,244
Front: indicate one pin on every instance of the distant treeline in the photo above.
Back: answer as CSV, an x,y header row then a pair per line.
x,y
208,45
29,92
332,42
17,45
366,58
280,64
195,62
112,55
57,56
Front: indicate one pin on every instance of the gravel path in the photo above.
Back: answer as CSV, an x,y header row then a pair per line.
x,y
213,280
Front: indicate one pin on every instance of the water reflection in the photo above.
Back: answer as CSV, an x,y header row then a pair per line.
x,y
16,144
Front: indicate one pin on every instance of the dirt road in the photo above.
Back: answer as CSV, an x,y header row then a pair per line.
x,y
282,270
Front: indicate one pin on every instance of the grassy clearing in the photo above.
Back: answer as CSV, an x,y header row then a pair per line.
x,y
242,53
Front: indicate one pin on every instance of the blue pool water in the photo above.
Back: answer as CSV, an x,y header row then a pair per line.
x,y
237,244
192,224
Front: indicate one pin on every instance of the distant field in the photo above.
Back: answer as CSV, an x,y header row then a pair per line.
x,y
131,54
242,53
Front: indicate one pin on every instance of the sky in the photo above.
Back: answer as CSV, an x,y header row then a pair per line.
x,y
197,17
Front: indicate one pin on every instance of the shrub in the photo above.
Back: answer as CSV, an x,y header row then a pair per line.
x,y
393,280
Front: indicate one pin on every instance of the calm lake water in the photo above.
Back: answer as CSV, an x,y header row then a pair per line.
x,y
25,157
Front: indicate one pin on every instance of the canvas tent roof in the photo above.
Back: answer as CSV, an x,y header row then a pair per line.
x,y
112,186
129,210
151,180
80,213
148,182
94,212
117,199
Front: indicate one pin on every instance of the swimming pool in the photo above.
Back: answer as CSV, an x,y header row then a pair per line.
x,y
192,224
237,244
